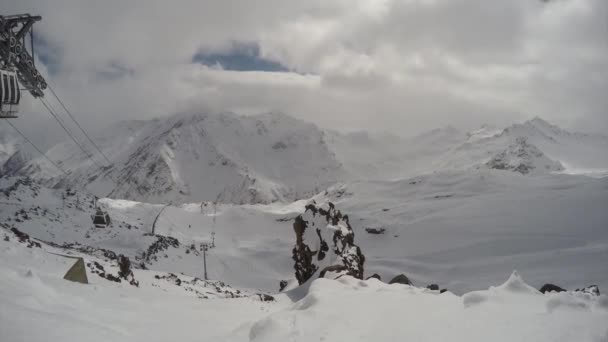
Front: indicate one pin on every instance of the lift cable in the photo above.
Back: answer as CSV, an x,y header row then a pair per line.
x,y
78,124
87,153
36,147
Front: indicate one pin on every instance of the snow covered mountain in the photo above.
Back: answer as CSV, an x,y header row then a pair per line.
x,y
446,209
203,157
270,157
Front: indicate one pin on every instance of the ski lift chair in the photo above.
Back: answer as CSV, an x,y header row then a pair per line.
x,y
10,94
101,219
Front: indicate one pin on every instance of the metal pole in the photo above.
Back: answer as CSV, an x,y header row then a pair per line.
x,y
205,260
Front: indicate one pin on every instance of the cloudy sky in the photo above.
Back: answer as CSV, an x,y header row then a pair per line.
x,y
397,65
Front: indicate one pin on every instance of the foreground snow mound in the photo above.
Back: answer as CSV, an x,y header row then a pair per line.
x,y
325,242
525,158
349,309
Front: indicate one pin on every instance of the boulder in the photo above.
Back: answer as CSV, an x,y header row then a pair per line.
x,y
401,279
551,288
324,234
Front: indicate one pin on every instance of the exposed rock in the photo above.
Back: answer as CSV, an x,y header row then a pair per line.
x,y
551,288
443,290
375,275
324,234
378,230
125,272
401,279
433,287
592,290
265,298
25,238
282,285
162,243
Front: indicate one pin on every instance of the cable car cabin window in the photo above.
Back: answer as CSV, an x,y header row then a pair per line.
x,y
17,90
7,90
2,91
11,82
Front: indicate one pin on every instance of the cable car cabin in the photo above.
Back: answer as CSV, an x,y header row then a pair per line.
x,y
101,219
9,94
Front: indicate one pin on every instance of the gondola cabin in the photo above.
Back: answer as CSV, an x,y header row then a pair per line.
x,y
101,219
10,94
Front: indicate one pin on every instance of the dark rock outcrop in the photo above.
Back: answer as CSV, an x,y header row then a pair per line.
x,y
551,288
592,290
282,285
401,279
324,234
433,287
375,275
376,231
125,272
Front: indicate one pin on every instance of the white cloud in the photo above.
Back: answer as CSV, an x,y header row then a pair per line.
x,y
402,65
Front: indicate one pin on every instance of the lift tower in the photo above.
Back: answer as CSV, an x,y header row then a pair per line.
x,y
17,63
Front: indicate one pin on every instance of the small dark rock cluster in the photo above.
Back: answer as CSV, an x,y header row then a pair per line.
x,y
591,289
125,272
24,238
97,268
376,231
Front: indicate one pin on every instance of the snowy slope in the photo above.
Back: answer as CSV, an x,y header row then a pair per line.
x,y
37,305
462,230
189,158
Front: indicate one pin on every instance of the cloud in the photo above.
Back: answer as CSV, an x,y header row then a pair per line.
x,y
401,65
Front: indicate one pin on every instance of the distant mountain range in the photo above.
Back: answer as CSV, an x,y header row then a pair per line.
x,y
273,157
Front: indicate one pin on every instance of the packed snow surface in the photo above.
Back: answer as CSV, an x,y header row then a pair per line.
x,y
38,305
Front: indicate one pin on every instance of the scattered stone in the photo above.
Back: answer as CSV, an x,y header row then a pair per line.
x,y
265,298
25,238
401,279
433,287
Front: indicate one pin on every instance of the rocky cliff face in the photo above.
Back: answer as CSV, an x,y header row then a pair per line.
x,y
325,244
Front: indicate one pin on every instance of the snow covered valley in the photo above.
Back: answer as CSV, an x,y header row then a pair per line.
x,y
462,211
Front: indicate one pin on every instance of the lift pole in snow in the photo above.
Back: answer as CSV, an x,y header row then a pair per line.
x,y
205,259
